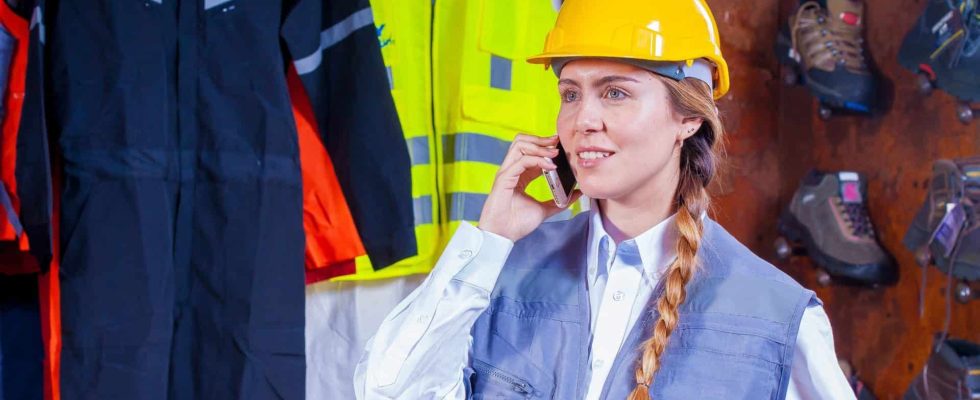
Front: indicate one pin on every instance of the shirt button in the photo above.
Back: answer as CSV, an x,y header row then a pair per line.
x,y
618,295
423,319
465,254
596,364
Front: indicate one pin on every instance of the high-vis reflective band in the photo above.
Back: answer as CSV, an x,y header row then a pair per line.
x,y
475,147
209,4
469,206
562,216
423,210
37,19
8,208
466,206
500,72
332,36
418,149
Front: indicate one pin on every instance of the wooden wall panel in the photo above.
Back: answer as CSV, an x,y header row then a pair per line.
x,y
775,137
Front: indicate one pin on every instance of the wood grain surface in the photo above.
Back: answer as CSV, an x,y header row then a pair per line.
x,y
774,138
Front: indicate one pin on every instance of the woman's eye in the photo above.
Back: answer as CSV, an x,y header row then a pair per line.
x,y
615,94
569,96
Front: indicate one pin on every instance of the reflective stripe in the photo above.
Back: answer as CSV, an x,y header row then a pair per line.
x,y
332,36
391,78
466,206
37,19
309,63
500,72
8,206
475,147
418,149
209,4
423,210
566,214
469,206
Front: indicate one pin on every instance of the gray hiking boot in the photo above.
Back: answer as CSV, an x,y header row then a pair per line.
x,y
829,217
952,372
953,182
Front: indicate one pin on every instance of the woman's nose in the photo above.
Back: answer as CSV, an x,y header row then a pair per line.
x,y
589,118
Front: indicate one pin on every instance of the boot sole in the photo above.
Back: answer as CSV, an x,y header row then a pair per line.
x,y
862,274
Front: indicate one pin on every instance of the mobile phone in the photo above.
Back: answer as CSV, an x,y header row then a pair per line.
x,y
561,180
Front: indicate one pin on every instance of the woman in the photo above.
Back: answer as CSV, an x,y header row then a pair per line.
x,y
644,296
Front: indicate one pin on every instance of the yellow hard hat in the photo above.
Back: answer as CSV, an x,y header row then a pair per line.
x,y
672,32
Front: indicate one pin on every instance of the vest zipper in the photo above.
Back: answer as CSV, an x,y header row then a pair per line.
x,y
518,385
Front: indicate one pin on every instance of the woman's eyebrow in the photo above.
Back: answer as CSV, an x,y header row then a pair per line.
x,y
613,78
601,82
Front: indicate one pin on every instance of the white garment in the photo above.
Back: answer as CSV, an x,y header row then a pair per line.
x,y
620,288
422,347
340,318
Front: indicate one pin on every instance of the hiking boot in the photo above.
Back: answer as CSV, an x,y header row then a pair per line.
x,y
952,372
824,45
943,47
828,215
953,182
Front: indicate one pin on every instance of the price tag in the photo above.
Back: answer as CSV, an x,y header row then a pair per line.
x,y
949,228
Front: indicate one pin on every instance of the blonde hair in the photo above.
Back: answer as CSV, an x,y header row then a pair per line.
x,y
689,98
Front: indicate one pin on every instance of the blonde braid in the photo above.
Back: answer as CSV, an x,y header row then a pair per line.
x,y
690,98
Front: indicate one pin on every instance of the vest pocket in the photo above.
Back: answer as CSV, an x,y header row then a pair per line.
x,y
709,364
493,383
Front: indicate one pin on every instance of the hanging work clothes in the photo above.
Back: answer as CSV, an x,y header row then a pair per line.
x,y
341,68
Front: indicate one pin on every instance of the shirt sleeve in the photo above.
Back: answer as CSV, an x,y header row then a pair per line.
x,y
816,373
423,345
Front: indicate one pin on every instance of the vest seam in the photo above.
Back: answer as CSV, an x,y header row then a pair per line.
x,y
533,302
781,343
733,314
493,310
733,355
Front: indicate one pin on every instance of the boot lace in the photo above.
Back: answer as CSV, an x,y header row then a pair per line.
x,y
822,42
856,218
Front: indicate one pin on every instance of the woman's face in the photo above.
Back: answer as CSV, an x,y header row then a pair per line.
x,y
618,129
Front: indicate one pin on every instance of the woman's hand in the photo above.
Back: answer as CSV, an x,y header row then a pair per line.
x,y
509,211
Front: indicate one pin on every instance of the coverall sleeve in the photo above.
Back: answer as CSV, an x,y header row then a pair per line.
x,y
423,345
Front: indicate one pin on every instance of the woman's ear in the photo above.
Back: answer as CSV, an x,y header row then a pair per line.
x,y
689,127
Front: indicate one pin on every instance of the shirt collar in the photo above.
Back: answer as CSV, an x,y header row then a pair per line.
x,y
657,246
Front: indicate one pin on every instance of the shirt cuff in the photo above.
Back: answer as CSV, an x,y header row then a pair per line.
x,y
487,260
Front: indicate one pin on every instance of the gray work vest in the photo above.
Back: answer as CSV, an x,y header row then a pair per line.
x,y
735,339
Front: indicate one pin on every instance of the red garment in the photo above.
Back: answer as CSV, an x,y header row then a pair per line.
x,y
49,292
13,101
332,241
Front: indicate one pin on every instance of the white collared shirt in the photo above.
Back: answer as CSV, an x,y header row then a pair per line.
x,y
422,347
621,280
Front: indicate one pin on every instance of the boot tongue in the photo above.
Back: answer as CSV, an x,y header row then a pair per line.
x,y
850,187
848,14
